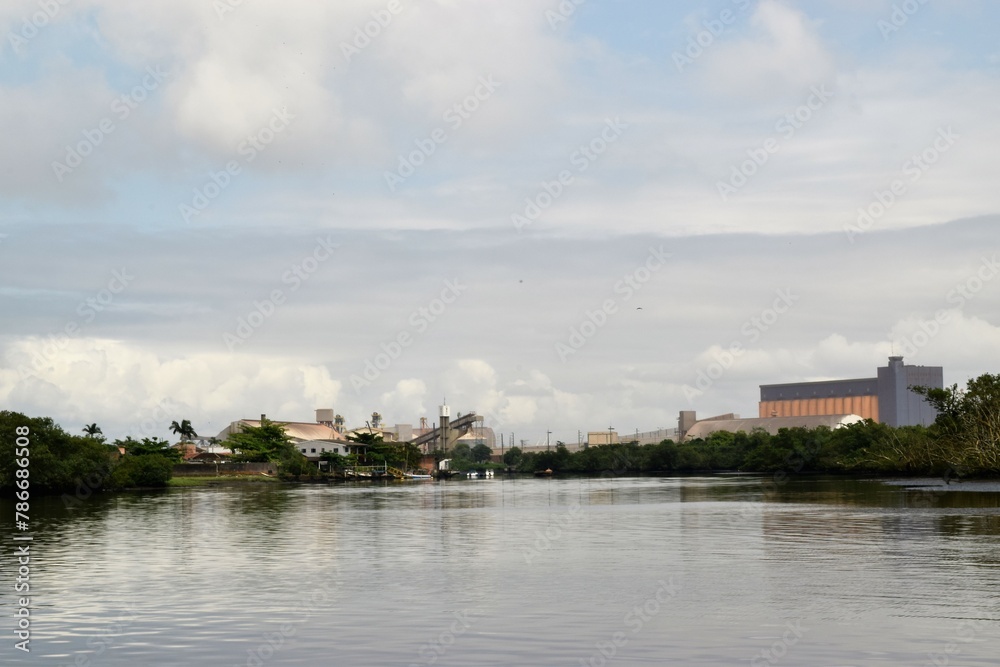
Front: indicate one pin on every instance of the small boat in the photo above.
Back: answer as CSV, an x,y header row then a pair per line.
x,y
411,475
544,473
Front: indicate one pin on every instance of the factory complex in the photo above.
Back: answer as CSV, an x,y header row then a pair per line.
x,y
885,398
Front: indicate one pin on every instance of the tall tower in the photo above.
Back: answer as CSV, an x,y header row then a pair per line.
x,y
897,404
445,426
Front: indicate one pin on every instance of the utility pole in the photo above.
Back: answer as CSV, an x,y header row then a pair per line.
x,y
547,434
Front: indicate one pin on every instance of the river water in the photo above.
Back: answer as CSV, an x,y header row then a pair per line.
x,y
728,570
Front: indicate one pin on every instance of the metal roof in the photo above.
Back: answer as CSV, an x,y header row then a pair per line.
x,y
294,430
703,429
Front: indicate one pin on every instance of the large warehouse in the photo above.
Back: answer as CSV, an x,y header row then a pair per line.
x,y
885,398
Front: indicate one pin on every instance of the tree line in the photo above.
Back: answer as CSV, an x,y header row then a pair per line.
x,y
62,462
963,440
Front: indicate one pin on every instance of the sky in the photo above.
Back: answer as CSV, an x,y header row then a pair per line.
x,y
564,216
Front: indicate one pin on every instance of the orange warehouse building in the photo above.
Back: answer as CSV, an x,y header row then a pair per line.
x,y
886,398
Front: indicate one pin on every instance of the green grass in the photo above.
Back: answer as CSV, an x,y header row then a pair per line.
x,y
226,479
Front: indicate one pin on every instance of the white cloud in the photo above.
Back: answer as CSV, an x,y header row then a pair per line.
x,y
784,54
407,399
117,384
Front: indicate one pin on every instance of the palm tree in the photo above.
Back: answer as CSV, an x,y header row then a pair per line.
x,y
369,440
183,429
92,430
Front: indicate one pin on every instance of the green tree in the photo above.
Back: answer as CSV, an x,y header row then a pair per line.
x,y
481,453
461,451
267,442
339,461
555,459
57,462
366,438
184,429
512,457
690,456
663,457
722,450
150,447
969,421
94,431
144,471
402,455
592,459
529,462
372,441
849,445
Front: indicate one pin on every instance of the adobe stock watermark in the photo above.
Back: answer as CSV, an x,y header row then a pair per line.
x,y
364,34
295,276
965,633
899,17
779,649
32,25
438,646
569,521
562,13
223,7
594,320
703,40
87,486
581,159
120,108
786,127
634,621
959,295
105,638
913,170
967,290
88,310
455,116
793,464
272,642
419,321
751,331
249,149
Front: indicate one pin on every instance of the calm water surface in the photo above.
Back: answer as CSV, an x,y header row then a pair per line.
x,y
630,571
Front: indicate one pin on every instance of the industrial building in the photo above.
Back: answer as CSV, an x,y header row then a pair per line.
x,y
706,427
329,435
885,398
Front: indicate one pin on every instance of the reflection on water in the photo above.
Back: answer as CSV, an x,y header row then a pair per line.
x,y
693,570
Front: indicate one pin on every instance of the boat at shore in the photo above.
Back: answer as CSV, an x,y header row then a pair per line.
x,y
544,473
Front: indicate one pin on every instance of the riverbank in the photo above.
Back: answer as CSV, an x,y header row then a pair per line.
x,y
200,480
